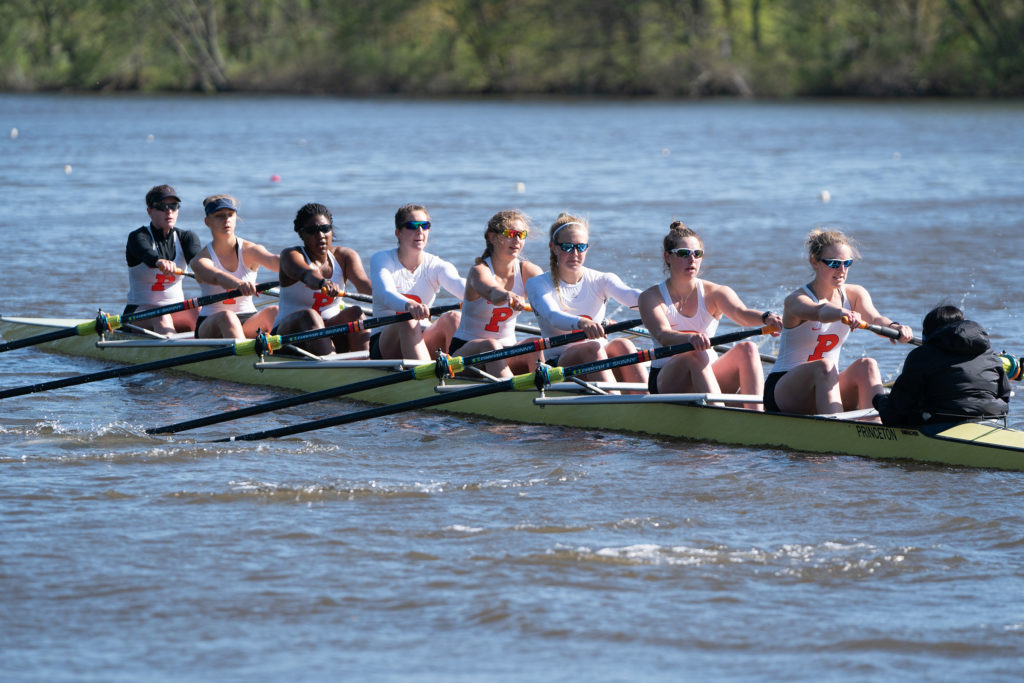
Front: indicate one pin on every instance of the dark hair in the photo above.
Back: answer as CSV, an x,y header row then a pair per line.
x,y
939,317
310,211
405,213
158,192
677,232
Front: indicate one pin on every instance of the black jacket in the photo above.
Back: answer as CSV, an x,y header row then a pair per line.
x,y
952,377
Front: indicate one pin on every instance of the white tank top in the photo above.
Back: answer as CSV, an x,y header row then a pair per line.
x,y
812,339
483,320
297,296
703,321
241,304
149,287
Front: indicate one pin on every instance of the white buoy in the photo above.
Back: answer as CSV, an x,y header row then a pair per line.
x,y
825,196
896,156
67,169
520,187
14,133
665,151
150,138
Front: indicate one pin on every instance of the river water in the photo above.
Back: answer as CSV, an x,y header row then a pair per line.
x,y
425,547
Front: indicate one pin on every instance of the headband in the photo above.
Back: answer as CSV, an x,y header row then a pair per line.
x,y
564,225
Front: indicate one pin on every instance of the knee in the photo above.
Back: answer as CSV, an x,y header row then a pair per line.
x,y
619,347
865,367
749,351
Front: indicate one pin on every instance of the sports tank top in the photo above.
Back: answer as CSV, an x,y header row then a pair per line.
x,y
149,287
703,321
812,339
241,304
297,296
483,320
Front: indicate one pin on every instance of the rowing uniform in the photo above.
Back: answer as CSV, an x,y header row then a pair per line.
x,y
148,287
702,321
240,305
808,341
558,309
298,297
394,284
483,320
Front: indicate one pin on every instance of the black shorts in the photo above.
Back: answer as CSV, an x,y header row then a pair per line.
x,y
242,317
375,353
456,344
770,406
652,380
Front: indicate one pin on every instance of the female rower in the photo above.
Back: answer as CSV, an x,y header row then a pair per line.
x,y
312,280
407,279
685,308
495,294
226,263
573,297
805,378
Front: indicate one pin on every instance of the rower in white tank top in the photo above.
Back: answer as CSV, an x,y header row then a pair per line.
x,y
483,320
297,296
812,340
151,288
703,321
237,305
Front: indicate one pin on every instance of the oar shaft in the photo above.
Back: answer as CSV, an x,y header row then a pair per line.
x,y
360,325
517,383
189,304
238,348
380,411
123,371
420,372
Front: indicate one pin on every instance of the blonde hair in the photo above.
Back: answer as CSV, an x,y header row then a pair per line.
x,y
818,240
564,220
497,223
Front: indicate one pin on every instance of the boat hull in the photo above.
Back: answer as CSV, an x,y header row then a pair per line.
x,y
974,445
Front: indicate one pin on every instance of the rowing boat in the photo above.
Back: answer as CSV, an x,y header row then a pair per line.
x,y
698,417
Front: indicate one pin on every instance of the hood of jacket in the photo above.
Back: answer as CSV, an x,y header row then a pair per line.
x,y
965,338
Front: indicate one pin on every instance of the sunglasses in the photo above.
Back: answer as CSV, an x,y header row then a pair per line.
x,y
683,252
312,229
510,233
166,206
567,247
834,263
416,225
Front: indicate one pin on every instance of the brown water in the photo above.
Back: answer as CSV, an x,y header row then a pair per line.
x,y
423,547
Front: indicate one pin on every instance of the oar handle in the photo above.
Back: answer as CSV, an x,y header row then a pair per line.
x,y
889,332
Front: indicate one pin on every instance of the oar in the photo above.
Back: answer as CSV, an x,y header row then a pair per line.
x,y
260,345
889,332
544,375
443,366
105,323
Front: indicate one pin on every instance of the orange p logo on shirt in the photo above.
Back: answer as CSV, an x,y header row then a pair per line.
x,y
826,342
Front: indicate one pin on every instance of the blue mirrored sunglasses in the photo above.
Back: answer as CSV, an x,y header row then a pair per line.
x,y
834,263
567,247
416,225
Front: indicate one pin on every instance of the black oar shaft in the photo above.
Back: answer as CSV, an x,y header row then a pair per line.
x,y
220,352
380,411
238,348
420,372
517,382
92,327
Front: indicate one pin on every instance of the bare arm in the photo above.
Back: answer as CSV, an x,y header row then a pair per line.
x,y
653,313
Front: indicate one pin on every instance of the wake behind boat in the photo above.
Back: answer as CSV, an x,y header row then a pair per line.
x,y
700,417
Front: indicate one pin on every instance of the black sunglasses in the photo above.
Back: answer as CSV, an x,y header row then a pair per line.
x,y
165,206
416,225
311,229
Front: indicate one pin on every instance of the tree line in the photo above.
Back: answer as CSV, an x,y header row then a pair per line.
x,y
665,48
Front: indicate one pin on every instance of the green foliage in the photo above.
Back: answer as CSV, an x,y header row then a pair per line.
x,y
667,48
